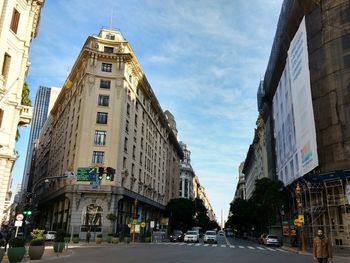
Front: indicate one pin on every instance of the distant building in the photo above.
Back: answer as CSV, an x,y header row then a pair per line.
x,y
200,194
187,175
240,189
44,101
106,119
19,20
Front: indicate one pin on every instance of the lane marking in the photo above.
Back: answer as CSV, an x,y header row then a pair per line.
x,y
232,246
223,245
261,248
197,245
241,246
214,245
206,245
250,247
280,250
268,248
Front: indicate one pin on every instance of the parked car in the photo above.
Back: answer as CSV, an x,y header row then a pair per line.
x,y
50,235
229,233
210,237
191,236
271,240
221,233
177,236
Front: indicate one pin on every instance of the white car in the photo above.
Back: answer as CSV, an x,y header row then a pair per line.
x,y
271,240
50,235
191,236
210,237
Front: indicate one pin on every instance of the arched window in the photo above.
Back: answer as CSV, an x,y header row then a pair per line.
x,y
92,218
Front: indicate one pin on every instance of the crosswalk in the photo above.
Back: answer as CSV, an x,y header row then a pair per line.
x,y
222,246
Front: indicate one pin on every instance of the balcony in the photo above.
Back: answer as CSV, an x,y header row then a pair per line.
x,y
25,115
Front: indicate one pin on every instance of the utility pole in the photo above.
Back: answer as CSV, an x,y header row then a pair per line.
x,y
300,214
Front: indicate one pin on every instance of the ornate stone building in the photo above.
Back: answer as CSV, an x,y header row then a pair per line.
x,y
19,21
106,116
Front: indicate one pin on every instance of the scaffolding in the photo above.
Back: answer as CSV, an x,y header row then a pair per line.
x,y
326,206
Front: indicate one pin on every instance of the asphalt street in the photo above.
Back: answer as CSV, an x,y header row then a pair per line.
x,y
233,251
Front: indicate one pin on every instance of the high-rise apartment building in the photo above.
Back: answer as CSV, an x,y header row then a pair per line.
x,y
106,120
304,102
19,21
44,101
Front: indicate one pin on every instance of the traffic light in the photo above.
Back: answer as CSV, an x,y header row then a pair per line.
x,y
100,173
110,174
27,212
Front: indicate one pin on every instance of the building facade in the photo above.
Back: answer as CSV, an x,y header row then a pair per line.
x,y
106,117
240,189
44,101
201,194
187,175
19,21
305,94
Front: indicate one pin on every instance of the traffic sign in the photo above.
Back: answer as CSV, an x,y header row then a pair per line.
x,y
301,218
152,224
298,223
143,224
85,174
18,223
19,217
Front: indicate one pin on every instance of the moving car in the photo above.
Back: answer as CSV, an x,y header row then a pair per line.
x,y
50,235
177,236
271,240
210,237
191,236
221,233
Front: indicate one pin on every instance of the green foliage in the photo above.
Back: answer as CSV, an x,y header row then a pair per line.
x,y
17,242
261,210
111,217
37,242
25,96
2,243
37,233
60,234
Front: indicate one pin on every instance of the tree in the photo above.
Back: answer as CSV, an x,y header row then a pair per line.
x,y
181,212
112,218
25,96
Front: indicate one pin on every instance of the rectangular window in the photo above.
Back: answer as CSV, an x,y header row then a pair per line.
x,y
126,144
136,120
133,151
127,126
105,84
15,20
124,162
1,116
100,137
108,49
102,117
106,67
98,157
103,100
141,158
128,109
6,66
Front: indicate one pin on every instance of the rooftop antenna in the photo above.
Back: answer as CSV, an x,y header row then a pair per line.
x,y
111,19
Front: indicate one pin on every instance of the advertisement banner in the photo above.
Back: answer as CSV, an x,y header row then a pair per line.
x,y
294,124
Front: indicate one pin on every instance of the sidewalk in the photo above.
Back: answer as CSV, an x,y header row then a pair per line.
x,y
339,255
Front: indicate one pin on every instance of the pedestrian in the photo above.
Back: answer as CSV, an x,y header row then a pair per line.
x,y
8,236
322,248
88,235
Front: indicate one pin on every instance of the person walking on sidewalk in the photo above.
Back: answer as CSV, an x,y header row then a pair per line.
x,y
322,248
88,235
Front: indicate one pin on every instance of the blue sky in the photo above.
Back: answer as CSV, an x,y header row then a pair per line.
x,y
203,58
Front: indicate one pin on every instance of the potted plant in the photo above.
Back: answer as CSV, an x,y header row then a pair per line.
x,y
37,245
109,238
2,249
16,250
115,239
99,239
76,238
59,243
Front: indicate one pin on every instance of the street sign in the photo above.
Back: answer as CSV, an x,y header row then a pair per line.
x,y
301,218
152,224
85,174
298,223
143,224
19,217
18,223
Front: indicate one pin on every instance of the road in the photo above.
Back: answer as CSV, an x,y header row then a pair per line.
x,y
225,251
